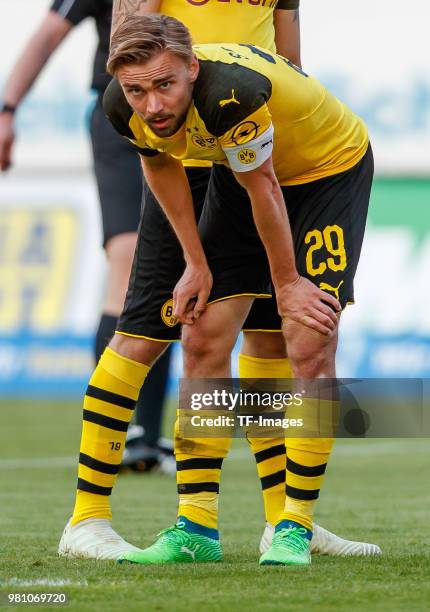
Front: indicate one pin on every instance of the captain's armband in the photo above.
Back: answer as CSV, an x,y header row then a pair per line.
x,y
251,155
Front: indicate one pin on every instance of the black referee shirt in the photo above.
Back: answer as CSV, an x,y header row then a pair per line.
x,y
76,11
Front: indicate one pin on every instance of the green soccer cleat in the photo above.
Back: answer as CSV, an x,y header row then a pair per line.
x,y
177,545
290,546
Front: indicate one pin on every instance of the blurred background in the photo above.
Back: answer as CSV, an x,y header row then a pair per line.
x,y
51,262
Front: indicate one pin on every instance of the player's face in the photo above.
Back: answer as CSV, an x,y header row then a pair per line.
x,y
160,90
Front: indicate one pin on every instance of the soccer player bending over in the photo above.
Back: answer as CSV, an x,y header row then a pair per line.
x,y
286,149
148,316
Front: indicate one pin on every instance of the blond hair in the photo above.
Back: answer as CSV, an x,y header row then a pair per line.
x,y
139,38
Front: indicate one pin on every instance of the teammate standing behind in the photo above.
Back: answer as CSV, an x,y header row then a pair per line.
x,y
117,171
148,315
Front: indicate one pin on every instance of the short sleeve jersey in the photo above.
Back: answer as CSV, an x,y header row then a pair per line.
x,y
76,11
210,21
249,103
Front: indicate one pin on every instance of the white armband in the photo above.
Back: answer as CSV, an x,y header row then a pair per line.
x,y
246,157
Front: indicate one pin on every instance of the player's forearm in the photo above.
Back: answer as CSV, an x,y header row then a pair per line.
x,y
122,8
271,220
287,34
169,184
37,51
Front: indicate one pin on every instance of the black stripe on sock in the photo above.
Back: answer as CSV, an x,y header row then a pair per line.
x,y
205,463
302,494
198,487
268,453
305,470
110,398
99,466
89,487
104,421
271,480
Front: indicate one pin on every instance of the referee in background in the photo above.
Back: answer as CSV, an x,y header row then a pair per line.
x,y
119,181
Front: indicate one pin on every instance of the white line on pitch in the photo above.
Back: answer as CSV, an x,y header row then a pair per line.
x,y
37,462
352,448
43,582
369,446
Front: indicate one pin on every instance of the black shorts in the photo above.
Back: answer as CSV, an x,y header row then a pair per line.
x,y
118,174
158,265
327,219
234,250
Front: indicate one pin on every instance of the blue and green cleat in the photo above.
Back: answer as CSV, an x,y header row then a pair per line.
x,y
177,544
291,545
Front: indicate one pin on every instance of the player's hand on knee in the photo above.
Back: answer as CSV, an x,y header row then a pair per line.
x,y
303,302
191,294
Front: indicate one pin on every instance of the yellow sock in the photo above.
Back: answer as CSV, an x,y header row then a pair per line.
x,y
306,464
108,407
269,453
198,473
198,487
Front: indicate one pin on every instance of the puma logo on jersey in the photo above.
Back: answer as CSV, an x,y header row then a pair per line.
x,y
335,290
192,553
265,144
231,100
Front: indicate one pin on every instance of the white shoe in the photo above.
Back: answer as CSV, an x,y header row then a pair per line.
x,y
93,539
167,465
266,538
326,543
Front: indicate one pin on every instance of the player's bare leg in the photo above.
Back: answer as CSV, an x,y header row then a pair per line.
x,y
108,409
119,251
264,355
312,356
264,345
207,346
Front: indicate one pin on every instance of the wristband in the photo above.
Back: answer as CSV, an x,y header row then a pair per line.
x,y
7,108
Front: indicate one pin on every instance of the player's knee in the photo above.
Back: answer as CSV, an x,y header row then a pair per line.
x,y
200,348
314,365
137,349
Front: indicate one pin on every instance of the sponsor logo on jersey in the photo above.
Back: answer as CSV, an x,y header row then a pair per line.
x,y
204,143
231,100
244,132
167,314
246,156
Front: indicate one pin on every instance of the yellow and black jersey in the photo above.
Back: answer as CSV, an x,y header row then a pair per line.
x,y
248,104
209,21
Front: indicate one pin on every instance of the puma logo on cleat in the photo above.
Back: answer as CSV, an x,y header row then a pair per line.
x,y
231,100
192,553
335,290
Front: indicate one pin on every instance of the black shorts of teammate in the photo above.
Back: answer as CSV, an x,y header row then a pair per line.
x,y
327,219
118,174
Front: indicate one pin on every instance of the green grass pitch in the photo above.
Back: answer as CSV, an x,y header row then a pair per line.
x,y
375,489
